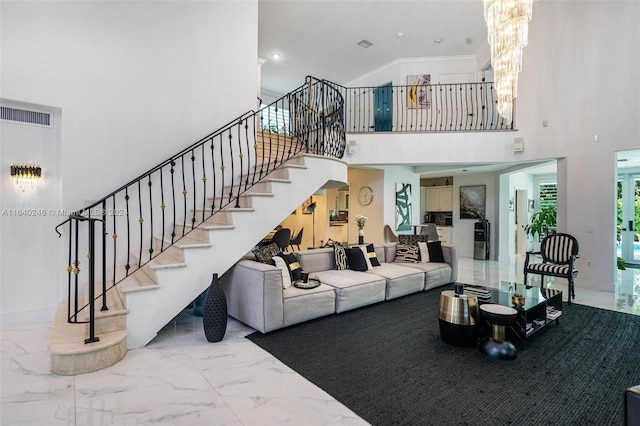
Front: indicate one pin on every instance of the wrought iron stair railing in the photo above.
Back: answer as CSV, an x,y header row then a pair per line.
x,y
178,195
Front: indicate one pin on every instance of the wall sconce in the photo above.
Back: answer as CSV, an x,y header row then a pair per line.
x,y
26,175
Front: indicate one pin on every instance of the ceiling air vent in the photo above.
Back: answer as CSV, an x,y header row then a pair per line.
x,y
25,116
365,43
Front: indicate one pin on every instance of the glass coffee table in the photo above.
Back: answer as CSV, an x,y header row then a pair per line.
x,y
537,307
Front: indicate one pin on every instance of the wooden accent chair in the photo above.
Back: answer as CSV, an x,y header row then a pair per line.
x,y
559,252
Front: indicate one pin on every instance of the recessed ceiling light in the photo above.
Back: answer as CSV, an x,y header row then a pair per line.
x,y
438,40
365,43
275,56
400,34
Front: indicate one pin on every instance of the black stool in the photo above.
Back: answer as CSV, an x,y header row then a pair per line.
x,y
496,346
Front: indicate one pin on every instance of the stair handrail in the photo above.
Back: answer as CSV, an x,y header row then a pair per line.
x,y
247,168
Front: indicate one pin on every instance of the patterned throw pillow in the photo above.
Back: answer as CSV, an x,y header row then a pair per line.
x,y
407,253
340,257
295,270
265,254
411,239
356,259
371,255
435,251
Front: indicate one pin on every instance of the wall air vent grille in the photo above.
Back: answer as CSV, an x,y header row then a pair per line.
x,y
25,116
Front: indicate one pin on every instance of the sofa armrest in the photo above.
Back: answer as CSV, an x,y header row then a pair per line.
x,y
632,406
450,254
254,294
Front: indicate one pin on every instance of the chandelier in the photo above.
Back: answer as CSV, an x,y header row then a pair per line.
x,y
507,25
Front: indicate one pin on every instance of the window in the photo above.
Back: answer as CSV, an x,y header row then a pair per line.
x,y
274,119
547,193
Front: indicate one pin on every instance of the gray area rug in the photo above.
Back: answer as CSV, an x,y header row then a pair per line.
x,y
386,362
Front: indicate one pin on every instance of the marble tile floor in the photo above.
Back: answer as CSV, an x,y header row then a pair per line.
x,y
181,379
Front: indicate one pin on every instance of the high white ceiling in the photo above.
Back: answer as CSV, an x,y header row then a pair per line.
x,y
320,37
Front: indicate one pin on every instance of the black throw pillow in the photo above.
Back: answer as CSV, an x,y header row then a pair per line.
x,y
371,254
356,260
435,251
294,266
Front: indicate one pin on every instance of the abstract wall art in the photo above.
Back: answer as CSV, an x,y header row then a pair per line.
x,y
403,206
472,202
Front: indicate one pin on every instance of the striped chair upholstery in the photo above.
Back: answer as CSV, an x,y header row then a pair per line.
x,y
558,252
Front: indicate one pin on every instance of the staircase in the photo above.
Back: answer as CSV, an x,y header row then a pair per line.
x,y
147,261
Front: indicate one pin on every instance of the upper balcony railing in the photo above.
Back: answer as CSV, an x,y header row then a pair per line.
x,y
462,107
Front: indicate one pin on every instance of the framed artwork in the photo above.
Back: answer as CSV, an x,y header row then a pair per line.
x,y
419,91
472,202
306,204
403,207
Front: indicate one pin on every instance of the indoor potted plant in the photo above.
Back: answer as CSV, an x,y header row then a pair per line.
x,y
542,223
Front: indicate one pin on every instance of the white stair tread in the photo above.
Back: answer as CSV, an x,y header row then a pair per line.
x,y
114,303
137,281
67,339
185,242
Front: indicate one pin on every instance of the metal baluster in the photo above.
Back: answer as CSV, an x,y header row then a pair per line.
x,y
162,207
76,271
193,178
150,217
126,198
213,171
173,199
246,138
204,184
104,255
114,236
92,285
184,195
140,221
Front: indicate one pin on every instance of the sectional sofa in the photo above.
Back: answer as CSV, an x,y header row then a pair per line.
x,y
256,293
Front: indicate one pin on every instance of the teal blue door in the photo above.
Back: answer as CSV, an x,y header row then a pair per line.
x,y
383,107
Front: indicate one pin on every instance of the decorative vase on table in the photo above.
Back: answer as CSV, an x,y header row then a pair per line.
x,y
361,236
214,312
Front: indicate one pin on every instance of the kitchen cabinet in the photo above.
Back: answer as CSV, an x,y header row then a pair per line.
x,y
439,199
445,234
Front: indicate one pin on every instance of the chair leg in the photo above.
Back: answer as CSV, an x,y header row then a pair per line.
x,y
572,291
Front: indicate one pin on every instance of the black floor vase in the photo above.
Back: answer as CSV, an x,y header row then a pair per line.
x,y
214,312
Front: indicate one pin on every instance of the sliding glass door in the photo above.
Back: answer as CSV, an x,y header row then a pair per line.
x,y
629,217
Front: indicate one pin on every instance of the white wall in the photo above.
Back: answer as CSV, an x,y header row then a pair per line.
x,y
29,255
580,72
398,70
374,212
135,82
